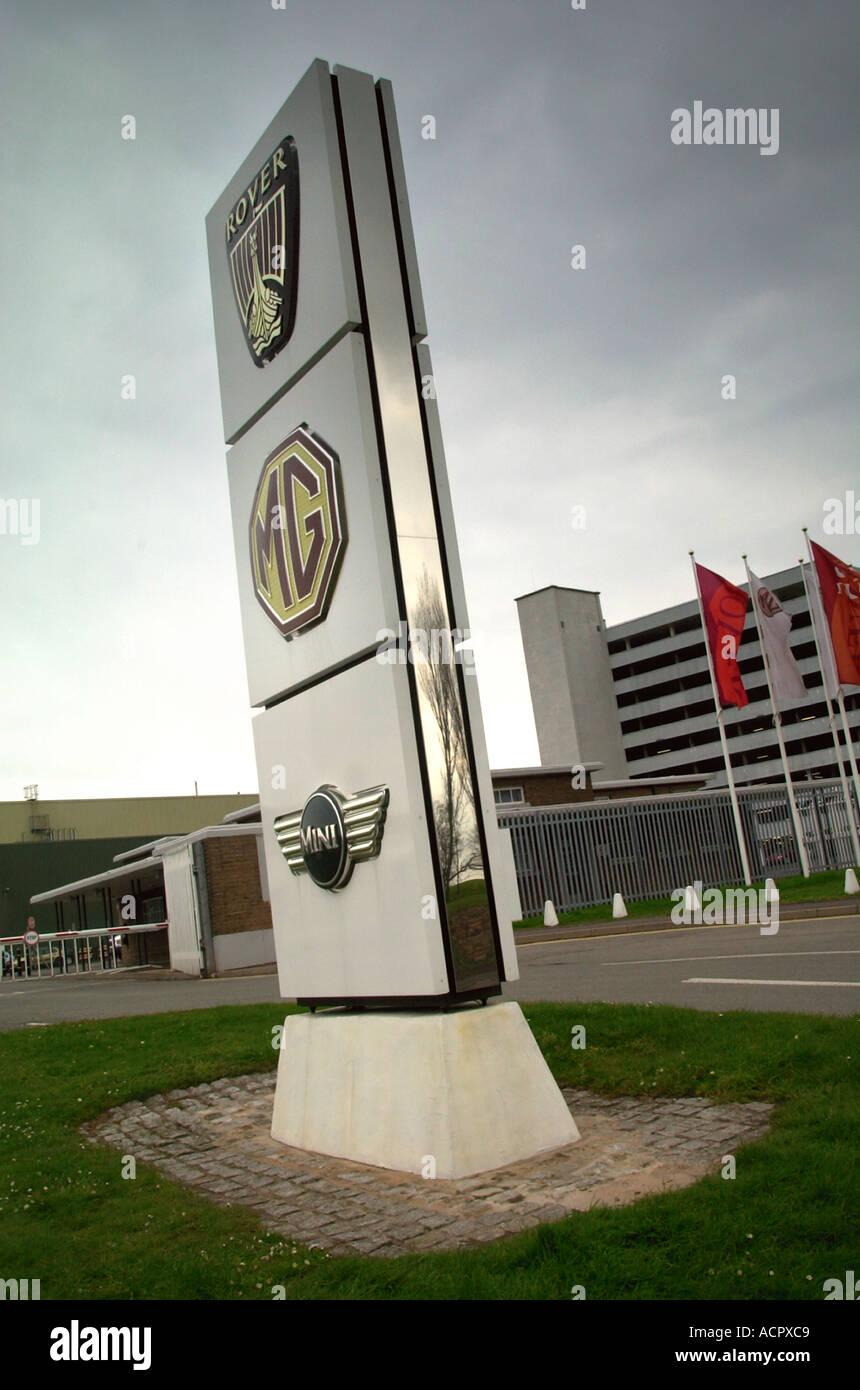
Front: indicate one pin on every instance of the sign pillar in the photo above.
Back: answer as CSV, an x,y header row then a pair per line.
x,y
378,820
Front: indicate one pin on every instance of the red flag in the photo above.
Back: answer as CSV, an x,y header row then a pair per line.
x,y
840,591
725,608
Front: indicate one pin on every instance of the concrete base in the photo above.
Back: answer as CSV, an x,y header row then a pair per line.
x,y
441,1094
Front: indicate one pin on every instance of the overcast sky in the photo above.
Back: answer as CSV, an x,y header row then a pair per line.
x,y
122,660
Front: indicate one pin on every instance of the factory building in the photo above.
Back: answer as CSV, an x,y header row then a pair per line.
x,y
637,695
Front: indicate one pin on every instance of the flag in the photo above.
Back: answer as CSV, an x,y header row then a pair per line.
x,y
724,607
822,632
775,625
840,595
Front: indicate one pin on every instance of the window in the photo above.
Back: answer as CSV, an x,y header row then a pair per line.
x,y
503,796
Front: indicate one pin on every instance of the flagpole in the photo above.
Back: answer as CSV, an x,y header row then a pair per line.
x,y
832,718
840,694
777,724
736,810
849,743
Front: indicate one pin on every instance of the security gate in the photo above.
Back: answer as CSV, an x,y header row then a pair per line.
x,y
578,856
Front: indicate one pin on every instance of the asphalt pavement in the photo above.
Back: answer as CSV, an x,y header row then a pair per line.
x,y
68,999
806,967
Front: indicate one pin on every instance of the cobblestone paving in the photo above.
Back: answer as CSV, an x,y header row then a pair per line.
x,y
216,1138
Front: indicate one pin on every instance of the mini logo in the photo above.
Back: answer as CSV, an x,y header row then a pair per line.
x,y
262,233
297,532
332,832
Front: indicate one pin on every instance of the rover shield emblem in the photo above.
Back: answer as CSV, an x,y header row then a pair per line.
x,y
262,232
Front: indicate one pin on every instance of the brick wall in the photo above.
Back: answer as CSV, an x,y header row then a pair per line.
x,y
546,791
145,948
233,875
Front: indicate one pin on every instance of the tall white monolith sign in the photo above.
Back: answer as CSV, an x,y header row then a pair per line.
x,y
378,821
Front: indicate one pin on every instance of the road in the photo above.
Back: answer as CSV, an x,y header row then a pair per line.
x,y
808,967
67,1000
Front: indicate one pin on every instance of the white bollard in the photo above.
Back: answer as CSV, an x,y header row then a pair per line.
x,y
550,916
691,899
851,884
618,908
771,892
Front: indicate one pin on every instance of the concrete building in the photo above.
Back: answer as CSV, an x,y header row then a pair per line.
x,y
570,679
643,685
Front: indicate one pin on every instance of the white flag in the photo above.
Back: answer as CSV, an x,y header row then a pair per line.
x,y
775,625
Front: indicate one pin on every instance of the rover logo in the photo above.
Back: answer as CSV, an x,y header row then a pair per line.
x,y
262,235
297,532
332,832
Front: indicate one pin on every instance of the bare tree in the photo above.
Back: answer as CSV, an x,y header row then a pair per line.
x,y
454,807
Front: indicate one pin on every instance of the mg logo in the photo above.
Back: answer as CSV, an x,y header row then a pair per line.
x,y
298,532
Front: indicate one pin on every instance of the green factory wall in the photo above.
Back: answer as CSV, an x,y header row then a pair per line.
x,y
146,817
27,869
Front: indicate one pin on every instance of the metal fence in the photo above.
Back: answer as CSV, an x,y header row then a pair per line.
x,y
68,953
578,856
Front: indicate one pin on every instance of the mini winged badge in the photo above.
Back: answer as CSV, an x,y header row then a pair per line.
x,y
333,832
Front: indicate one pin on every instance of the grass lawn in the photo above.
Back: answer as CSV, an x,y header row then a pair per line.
x,y
472,893
784,1225
792,889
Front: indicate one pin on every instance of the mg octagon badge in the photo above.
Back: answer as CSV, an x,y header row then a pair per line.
x,y
297,532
